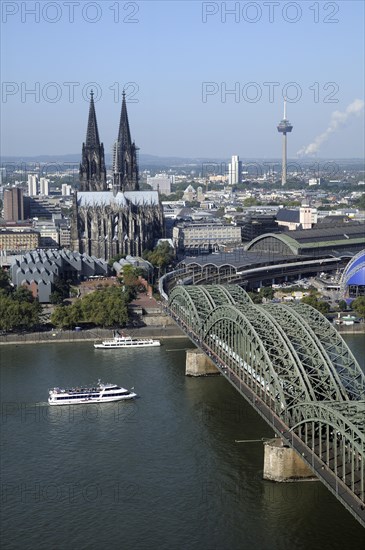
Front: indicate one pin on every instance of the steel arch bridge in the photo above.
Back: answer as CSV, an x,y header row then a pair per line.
x,y
291,364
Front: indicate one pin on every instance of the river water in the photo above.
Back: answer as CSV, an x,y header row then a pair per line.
x,y
162,472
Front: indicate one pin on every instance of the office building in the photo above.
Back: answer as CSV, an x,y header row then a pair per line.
x,y
235,171
13,204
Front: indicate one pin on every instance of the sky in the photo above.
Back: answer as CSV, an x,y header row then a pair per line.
x,y
203,79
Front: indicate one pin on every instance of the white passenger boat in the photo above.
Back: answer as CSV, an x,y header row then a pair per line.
x,y
123,341
100,393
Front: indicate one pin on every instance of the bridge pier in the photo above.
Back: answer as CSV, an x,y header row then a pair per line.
x,y
198,364
283,464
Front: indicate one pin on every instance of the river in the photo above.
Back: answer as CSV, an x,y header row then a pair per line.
x,y
162,472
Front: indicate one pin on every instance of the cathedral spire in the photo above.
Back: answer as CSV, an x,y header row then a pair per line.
x,y
92,134
124,134
92,168
125,165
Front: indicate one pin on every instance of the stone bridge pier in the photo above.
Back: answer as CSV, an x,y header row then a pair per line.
x,y
282,463
198,364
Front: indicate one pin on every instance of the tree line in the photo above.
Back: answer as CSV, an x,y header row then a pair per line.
x,y
18,308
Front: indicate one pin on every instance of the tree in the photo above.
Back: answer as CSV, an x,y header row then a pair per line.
x,y
313,301
358,305
342,305
161,256
23,294
62,287
61,317
106,307
292,203
255,297
15,314
130,277
360,202
55,298
114,259
267,292
251,201
172,197
5,286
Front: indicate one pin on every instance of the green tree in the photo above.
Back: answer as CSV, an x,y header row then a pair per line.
x,y
358,305
55,297
15,315
61,317
115,259
23,294
106,307
160,257
61,287
251,201
360,202
130,275
313,301
342,305
5,286
290,204
255,297
267,292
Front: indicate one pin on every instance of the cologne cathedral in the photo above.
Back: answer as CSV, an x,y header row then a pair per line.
x,y
108,221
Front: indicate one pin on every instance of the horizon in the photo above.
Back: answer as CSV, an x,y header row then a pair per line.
x,y
202,79
108,157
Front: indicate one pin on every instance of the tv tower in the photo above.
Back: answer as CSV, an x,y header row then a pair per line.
x,y
284,127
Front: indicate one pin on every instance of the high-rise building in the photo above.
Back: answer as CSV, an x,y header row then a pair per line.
x,y
284,127
44,186
13,204
125,163
32,185
66,190
92,168
235,170
161,183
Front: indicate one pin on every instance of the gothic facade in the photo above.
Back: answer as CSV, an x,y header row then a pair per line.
x,y
121,219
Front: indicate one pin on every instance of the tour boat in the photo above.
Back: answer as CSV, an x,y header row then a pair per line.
x,y
123,341
100,393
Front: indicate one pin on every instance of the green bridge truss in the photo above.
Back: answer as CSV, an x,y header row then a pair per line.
x,y
294,361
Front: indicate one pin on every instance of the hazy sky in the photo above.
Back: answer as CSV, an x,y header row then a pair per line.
x,y
182,59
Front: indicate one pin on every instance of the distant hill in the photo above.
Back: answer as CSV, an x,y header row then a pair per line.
x,y
144,158
146,161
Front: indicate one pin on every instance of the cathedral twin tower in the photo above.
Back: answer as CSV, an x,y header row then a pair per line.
x,y
92,167
112,222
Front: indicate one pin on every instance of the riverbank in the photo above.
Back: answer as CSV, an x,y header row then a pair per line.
x,y
357,328
145,312
161,332
67,336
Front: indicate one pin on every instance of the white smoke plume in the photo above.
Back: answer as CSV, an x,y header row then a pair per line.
x,y
338,119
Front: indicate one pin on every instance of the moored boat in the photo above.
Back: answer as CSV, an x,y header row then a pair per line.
x,y
100,393
123,341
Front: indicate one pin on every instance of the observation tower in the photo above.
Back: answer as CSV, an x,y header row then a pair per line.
x,y
284,127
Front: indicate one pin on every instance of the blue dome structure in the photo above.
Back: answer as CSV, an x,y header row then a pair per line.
x,y
353,277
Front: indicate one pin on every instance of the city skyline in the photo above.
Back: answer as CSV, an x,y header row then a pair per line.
x,y
200,80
